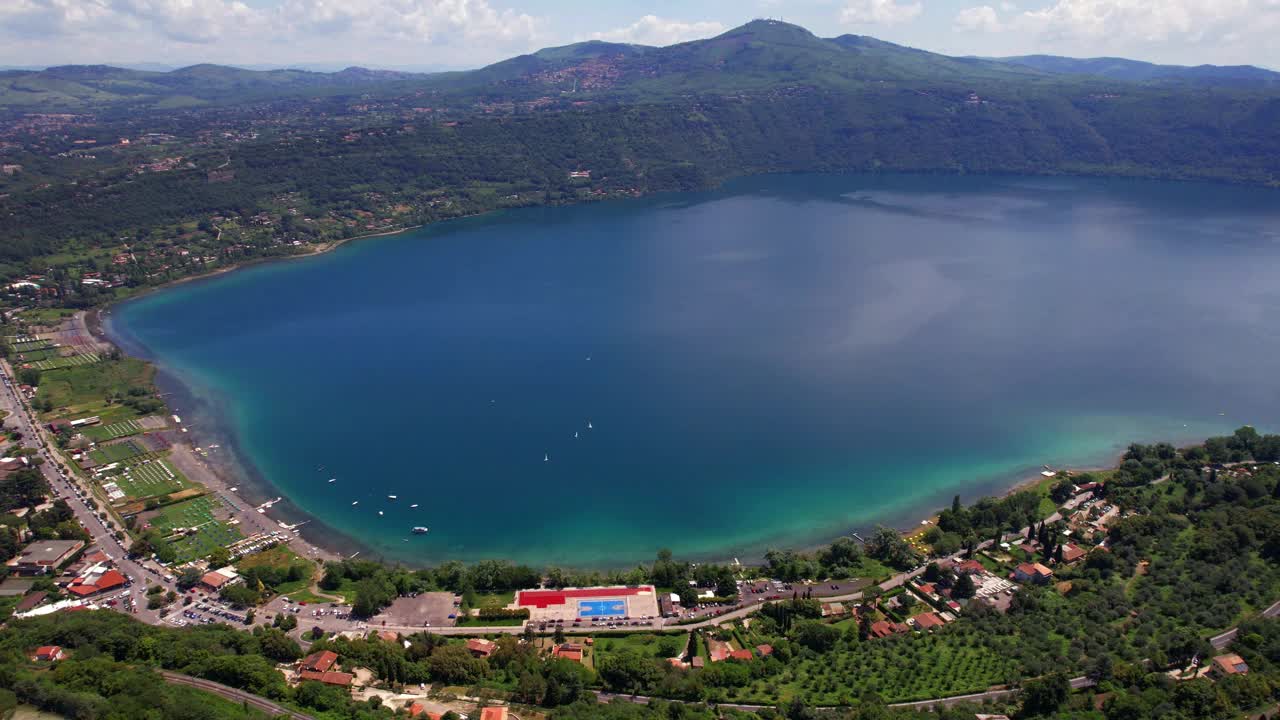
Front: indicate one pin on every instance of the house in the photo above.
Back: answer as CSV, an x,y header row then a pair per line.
x,y
568,651
666,606
928,621
45,556
384,635
48,653
698,663
481,648
318,662
216,580
419,710
764,650
30,602
1230,664
1072,553
833,610
743,655
339,679
928,588
970,567
494,713
884,628
1032,572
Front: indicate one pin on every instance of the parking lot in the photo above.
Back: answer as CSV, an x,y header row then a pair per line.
x,y
432,609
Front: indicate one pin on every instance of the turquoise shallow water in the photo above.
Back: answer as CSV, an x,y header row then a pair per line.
x,y
771,364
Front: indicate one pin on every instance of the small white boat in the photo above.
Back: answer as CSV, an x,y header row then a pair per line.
x,y
419,530
414,505
333,480
355,503
546,458
379,513
391,497
575,433
588,424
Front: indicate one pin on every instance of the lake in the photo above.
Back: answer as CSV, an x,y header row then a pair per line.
x,y
771,364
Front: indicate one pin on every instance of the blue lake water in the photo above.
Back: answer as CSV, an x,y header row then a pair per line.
x,y
771,364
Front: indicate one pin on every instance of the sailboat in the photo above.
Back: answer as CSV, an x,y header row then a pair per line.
x,y
589,425
546,458
575,433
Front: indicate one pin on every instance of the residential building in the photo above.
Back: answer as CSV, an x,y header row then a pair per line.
x,y
320,661
481,648
216,580
1229,664
48,653
1032,572
495,713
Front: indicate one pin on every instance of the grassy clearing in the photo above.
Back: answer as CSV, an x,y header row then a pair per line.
x,y
80,391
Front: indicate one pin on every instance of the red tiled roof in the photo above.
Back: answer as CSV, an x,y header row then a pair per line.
x,y
493,713
319,661
928,620
47,652
744,655
481,646
214,580
764,650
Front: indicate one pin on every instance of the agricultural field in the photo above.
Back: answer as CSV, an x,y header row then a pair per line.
x,y
58,363
103,433
85,390
117,452
26,344
199,513
150,478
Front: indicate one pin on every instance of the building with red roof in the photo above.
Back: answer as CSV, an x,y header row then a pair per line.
x,y
48,653
568,651
494,713
481,648
319,662
764,650
93,583
1032,572
743,655
928,621
340,679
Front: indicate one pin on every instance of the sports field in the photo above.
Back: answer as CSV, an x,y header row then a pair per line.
x,y
102,433
29,344
196,513
66,362
602,608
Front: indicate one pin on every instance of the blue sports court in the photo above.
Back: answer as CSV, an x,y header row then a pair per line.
x,y
602,608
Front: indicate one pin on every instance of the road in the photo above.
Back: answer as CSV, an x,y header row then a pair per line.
x,y
234,695
74,492
1224,639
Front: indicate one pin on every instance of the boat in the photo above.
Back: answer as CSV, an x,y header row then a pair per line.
x,y
391,497
419,530
575,433
355,503
333,480
588,424
379,513
546,457
414,505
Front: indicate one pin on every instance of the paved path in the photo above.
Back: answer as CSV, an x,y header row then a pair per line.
x,y
234,695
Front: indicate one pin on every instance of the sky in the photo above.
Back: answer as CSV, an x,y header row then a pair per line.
x,y
439,34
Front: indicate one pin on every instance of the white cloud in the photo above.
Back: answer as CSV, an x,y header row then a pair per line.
x,y
978,19
241,32
879,12
653,30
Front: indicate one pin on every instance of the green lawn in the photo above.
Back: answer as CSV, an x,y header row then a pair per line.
x,y
66,362
119,452
102,433
80,391
150,478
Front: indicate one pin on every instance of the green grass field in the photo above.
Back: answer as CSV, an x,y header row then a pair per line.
x,y
66,362
150,478
79,391
24,346
103,433
118,452
196,513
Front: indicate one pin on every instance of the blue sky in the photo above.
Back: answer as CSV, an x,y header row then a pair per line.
x,y
470,33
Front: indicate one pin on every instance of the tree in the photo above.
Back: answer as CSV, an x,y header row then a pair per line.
x,y
559,635
964,587
888,546
1045,695
220,557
